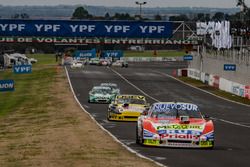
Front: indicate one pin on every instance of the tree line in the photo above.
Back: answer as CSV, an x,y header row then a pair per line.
x,y
81,13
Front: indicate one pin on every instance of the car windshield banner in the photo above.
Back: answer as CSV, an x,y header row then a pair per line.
x,y
72,28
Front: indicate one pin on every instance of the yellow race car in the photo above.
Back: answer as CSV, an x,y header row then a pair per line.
x,y
127,108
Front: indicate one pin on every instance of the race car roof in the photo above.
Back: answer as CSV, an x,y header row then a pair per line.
x,y
108,84
101,87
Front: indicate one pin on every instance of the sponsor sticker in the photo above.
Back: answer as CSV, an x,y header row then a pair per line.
x,y
193,132
151,142
180,127
206,143
131,97
178,106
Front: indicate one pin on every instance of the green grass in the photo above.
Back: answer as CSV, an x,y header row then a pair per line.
x,y
160,53
30,89
44,59
215,91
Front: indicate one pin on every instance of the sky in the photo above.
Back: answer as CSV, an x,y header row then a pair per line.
x,y
128,3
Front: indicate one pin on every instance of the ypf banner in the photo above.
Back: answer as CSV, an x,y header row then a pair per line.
x,y
70,28
112,53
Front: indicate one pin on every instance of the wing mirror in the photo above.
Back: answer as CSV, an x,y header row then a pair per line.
x,y
206,116
145,112
125,105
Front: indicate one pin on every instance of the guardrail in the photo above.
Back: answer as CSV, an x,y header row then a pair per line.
x,y
217,82
152,59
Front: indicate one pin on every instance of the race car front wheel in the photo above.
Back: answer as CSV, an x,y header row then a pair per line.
x,y
141,137
108,116
137,136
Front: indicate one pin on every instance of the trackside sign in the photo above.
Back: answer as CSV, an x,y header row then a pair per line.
x,y
6,85
72,28
22,69
112,53
74,40
188,57
82,54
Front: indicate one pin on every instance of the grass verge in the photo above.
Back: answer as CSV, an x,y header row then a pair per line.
x,y
42,125
214,90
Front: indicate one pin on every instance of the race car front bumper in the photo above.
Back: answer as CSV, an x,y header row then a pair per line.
x,y
100,100
179,143
125,116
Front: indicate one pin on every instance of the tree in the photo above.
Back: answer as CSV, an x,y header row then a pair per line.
x,y
15,16
244,10
107,16
24,16
81,13
218,16
243,6
181,17
200,17
122,16
158,17
207,17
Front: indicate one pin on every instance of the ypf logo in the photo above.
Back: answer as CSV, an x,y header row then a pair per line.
x,y
22,69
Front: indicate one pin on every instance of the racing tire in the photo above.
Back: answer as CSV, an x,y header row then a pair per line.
x,y
108,116
211,148
141,139
137,136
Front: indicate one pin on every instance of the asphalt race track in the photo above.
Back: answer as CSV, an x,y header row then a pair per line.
x,y
232,121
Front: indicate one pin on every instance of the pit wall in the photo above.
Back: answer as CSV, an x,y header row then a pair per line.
x,y
217,82
212,62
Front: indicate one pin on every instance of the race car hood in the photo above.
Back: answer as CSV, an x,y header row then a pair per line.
x,y
196,126
132,108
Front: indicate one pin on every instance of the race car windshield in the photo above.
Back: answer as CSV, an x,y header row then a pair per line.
x,y
174,113
171,113
130,101
101,91
190,113
112,86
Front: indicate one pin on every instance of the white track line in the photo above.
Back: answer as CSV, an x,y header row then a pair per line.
x,y
233,123
134,86
222,120
225,121
118,141
200,89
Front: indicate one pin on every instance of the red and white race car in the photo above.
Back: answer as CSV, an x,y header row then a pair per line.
x,y
174,124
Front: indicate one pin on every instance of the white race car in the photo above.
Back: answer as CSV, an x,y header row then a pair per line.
x,y
113,86
77,64
120,63
104,62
